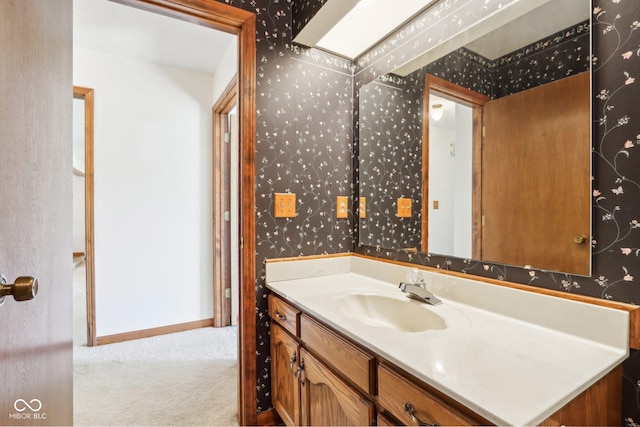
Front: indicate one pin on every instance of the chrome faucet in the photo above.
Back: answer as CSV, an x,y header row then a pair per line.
x,y
417,289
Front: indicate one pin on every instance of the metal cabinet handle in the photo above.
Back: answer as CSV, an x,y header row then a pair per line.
x,y
280,315
409,410
292,362
25,288
300,374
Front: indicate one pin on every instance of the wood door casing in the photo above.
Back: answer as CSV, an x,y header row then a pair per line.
x,y
36,228
536,177
86,94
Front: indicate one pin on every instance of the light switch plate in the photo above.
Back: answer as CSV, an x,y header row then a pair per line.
x,y
404,207
436,204
363,207
342,207
284,205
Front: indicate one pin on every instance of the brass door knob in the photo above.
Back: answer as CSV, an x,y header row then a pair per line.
x,y
580,239
25,288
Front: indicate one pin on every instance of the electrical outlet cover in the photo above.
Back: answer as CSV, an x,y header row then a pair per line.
x,y
404,207
342,207
284,205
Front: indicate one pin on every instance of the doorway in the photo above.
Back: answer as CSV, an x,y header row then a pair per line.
x,y
465,98
241,23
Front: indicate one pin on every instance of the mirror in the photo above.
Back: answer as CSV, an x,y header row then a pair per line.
x,y
498,194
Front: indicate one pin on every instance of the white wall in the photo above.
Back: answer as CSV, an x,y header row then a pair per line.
x,y
463,183
450,183
153,233
441,177
226,70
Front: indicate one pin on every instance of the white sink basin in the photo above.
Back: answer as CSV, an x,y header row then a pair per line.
x,y
385,312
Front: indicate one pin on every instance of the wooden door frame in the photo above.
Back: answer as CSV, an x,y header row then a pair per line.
x,y
476,101
86,94
242,23
221,172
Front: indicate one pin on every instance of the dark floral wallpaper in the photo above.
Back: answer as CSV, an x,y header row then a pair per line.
x,y
305,144
390,159
560,55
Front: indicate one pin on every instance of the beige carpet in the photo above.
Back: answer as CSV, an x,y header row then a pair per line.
x,y
183,379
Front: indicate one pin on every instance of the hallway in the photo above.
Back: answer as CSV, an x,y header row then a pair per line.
x,y
186,378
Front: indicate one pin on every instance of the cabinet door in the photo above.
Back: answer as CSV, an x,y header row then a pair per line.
x,y
327,400
285,387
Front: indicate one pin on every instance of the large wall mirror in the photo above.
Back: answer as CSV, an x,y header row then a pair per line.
x,y
481,148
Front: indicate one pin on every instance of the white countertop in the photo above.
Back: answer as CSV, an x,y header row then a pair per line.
x,y
512,356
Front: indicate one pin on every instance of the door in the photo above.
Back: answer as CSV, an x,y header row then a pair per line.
x,y
35,210
285,387
538,166
225,208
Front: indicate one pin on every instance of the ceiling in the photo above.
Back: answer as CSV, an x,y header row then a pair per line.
x,y
541,22
109,27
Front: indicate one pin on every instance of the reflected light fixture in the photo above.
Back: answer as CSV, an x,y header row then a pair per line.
x,y
365,23
437,111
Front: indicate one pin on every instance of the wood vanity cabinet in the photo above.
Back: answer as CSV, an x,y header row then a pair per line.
x,y
319,377
304,390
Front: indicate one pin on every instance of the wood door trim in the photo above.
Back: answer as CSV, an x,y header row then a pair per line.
x,y
476,101
87,95
221,244
242,23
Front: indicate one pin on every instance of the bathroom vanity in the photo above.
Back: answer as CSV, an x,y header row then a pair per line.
x,y
349,348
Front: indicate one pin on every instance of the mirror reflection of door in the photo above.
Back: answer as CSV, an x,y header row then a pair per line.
x,y
527,167
536,168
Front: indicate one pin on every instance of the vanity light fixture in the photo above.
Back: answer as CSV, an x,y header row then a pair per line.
x,y
351,27
437,111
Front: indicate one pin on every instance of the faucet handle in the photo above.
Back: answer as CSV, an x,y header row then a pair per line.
x,y
415,277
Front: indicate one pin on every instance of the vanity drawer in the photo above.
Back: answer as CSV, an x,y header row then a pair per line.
x,y
349,360
283,313
395,393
